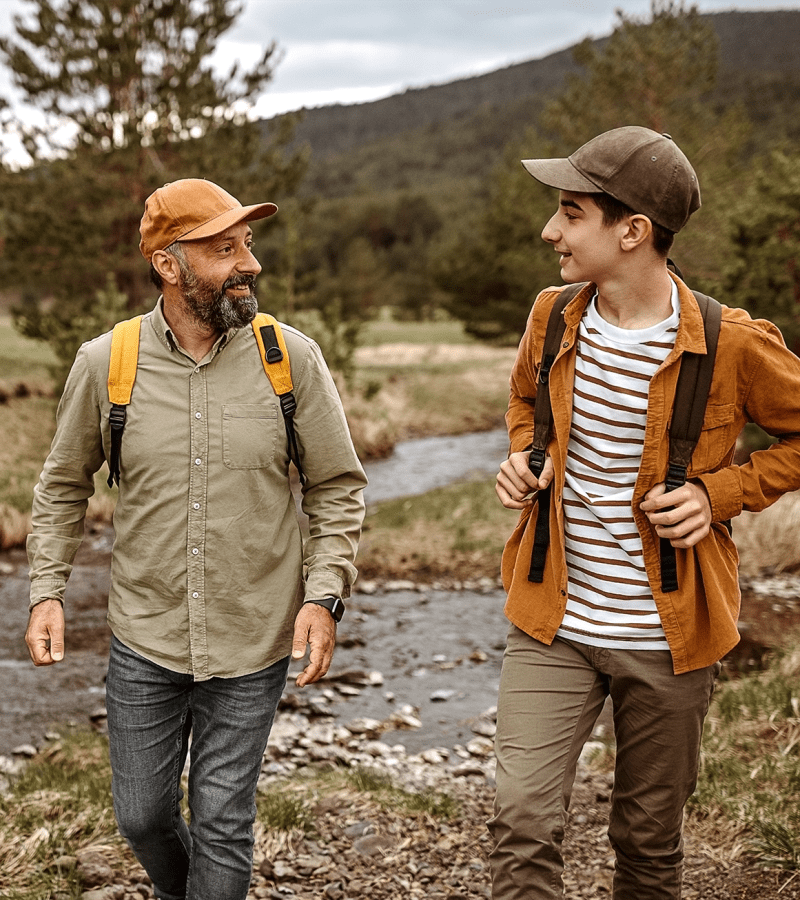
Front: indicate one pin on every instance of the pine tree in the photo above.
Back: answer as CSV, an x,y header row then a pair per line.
x,y
764,274
127,100
658,73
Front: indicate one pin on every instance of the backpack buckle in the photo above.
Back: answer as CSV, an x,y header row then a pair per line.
x,y
676,477
117,417
288,405
536,462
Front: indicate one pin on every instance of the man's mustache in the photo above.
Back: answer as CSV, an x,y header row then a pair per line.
x,y
239,281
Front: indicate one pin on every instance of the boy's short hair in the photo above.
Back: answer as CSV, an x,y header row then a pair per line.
x,y
641,168
614,211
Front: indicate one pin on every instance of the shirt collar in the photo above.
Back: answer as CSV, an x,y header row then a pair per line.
x,y
168,338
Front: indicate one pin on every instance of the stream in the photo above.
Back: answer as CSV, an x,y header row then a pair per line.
x,y
437,651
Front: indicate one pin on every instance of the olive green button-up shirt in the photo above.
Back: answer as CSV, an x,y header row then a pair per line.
x,y
208,568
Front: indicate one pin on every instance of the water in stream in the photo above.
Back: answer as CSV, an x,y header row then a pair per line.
x,y
439,651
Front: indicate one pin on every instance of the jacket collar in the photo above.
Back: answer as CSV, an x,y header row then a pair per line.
x,y
691,336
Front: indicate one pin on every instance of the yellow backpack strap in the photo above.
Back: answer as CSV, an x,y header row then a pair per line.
x,y
278,368
121,376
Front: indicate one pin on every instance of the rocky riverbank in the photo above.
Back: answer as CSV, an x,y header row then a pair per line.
x,y
376,821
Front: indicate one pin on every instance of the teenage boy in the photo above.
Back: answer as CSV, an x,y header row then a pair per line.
x,y
599,624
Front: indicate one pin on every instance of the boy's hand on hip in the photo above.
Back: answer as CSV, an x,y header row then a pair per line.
x,y
516,482
682,516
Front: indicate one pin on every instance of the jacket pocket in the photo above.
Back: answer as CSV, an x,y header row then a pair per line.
x,y
249,435
717,438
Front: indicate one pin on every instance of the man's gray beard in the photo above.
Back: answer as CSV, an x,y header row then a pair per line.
x,y
214,308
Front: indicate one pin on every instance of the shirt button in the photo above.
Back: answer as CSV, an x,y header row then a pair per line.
x,y
198,415
195,551
195,594
195,506
198,462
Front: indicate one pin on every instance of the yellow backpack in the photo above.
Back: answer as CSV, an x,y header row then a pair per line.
x,y
122,375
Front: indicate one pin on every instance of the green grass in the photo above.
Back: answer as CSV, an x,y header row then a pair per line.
x,y
22,359
29,423
281,811
381,787
60,804
385,330
750,769
463,524
27,419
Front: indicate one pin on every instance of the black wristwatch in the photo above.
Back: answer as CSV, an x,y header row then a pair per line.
x,y
334,605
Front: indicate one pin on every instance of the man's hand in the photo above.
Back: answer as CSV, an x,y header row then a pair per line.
x,y
45,634
516,482
313,626
682,516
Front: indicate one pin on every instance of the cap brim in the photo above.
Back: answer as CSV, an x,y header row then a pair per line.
x,y
230,217
560,174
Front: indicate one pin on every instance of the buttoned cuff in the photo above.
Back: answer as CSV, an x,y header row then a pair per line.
x,y
724,490
322,583
46,589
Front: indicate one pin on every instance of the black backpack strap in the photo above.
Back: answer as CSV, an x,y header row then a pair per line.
x,y
688,412
542,425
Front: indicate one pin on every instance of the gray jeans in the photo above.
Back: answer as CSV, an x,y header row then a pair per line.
x,y
550,698
151,712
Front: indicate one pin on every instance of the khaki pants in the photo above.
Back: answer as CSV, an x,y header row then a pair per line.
x,y
550,698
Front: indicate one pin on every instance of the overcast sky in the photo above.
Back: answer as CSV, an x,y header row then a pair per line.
x,y
351,51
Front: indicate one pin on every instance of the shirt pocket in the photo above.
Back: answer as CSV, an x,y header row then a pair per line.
x,y
249,435
717,438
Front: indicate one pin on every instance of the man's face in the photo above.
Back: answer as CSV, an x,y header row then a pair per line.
x,y
218,279
589,249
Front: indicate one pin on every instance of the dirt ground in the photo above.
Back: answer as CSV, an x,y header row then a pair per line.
x,y
386,634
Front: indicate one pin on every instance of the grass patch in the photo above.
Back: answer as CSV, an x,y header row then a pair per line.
x,y
383,790
750,767
31,421
386,330
23,359
282,811
59,805
458,528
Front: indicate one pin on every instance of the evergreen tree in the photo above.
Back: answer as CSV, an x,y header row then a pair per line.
x,y
127,100
657,73
494,267
764,274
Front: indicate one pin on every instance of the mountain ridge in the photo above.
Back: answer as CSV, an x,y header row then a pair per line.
x,y
336,129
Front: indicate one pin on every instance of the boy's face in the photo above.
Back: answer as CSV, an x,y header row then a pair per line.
x,y
589,249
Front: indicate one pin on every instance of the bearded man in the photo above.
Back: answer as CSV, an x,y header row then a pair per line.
x,y
212,588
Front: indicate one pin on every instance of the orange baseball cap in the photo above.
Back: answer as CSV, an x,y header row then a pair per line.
x,y
191,209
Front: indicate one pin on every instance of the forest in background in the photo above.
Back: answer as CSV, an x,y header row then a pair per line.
x,y
418,202
413,207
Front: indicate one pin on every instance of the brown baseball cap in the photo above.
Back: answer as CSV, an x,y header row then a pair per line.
x,y
643,169
191,209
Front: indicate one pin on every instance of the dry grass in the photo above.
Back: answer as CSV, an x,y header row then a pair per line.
x,y
768,541
456,530
415,390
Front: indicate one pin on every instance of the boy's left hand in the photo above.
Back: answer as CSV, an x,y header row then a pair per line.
x,y
682,516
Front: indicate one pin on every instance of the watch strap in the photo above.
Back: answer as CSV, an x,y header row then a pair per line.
x,y
334,605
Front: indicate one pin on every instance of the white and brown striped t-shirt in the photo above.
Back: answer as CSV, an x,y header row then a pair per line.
x,y
610,602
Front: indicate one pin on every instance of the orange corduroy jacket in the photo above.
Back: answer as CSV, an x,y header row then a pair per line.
x,y
756,379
